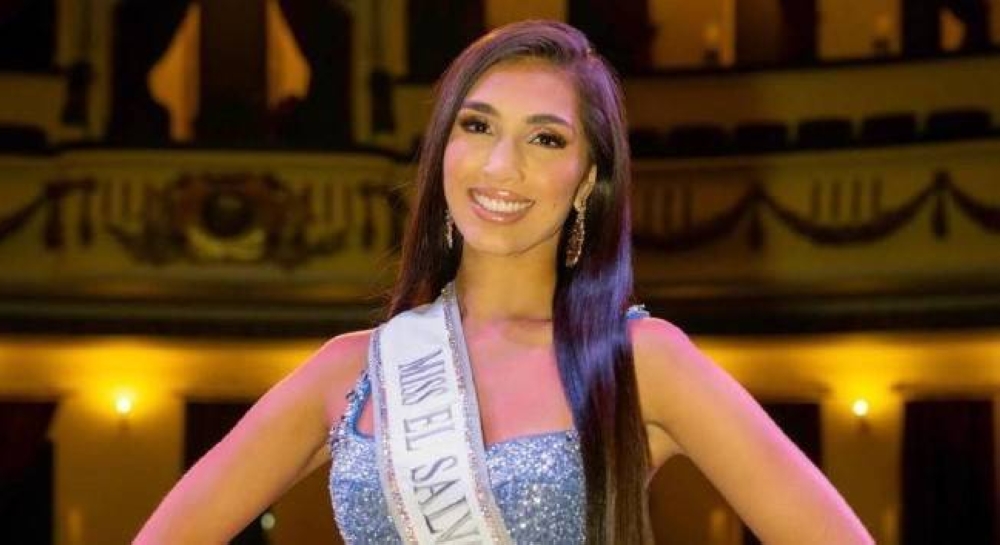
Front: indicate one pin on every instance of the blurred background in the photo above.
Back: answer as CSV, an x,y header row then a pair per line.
x,y
194,195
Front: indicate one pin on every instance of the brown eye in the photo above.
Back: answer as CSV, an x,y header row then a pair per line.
x,y
550,140
474,125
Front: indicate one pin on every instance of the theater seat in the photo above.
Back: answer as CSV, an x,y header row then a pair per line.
x,y
22,138
698,139
647,142
957,123
761,137
889,128
824,133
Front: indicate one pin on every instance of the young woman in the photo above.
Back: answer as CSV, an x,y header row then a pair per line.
x,y
513,396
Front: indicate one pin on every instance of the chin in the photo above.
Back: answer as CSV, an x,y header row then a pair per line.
x,y
493,248
505,246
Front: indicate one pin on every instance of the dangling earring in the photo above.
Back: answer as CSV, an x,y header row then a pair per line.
x,y
574,246
449,228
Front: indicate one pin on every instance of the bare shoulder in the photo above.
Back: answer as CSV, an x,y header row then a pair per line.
x,y
335,367
678,383
655,333
674,375
659,352
345,350
659,347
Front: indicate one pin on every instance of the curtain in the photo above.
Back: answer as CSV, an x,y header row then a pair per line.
x,y
438,31
620,31
798,31
921,27
949,481
205,424
27,35
142,33
26,456
323,32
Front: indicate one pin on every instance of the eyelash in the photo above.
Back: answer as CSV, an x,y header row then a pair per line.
x,y
556,141
470,125
475,125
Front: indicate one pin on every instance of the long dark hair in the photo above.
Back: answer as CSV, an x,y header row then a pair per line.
x,y
592,345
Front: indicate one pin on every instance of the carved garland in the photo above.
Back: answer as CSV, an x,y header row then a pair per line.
x,y
884,224
230,218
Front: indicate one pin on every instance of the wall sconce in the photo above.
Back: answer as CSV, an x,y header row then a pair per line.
x,y
860,408
124,402
882,36
712,38
123,405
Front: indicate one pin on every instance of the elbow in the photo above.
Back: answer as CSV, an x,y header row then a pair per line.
x,y
833,525
153,533
846,529
150,535
862,537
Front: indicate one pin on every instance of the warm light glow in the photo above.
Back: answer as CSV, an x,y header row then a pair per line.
x,y
712,35
860,408
123,404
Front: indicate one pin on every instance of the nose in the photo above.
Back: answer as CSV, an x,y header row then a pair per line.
x,y
503,161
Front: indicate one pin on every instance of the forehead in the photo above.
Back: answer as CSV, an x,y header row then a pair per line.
x,y
527,87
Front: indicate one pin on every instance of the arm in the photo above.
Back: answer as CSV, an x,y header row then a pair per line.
x,y
280,439
774,488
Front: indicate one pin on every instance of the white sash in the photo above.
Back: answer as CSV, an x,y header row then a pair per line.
x,y
430,445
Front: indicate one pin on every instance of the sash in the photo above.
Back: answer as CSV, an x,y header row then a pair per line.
x,y
430,446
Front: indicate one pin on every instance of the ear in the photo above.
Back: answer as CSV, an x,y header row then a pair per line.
x,y
585,187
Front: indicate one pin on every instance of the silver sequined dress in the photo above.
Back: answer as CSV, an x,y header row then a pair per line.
x,y
537,481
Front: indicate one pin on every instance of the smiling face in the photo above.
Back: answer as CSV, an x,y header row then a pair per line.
x,y
516,160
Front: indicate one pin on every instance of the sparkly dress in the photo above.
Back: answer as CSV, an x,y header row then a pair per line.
x,y
537,481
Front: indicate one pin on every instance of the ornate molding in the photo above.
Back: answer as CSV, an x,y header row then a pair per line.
x,y
202,218
756,201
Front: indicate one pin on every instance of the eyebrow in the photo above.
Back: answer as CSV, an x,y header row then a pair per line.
x,y
534,119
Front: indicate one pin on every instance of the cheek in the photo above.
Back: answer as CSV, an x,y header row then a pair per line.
x,y
456,161
449,174
564,178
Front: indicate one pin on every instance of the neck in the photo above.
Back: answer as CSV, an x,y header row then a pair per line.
x,y
492,288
